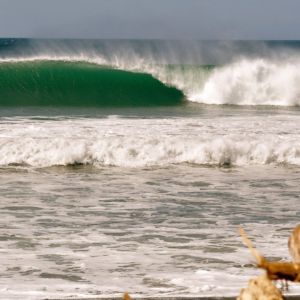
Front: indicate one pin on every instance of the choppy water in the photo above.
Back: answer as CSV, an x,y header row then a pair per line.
x,y
144,216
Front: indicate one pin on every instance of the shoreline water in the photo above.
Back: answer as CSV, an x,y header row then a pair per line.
x,y
287,297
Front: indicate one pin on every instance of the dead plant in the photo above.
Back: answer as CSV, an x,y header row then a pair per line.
x,y
275,270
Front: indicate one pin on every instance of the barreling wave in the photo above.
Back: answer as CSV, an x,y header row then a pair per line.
x,y
62,83
148,152
96,81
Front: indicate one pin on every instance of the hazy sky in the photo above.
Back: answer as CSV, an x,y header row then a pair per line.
x,y
151,19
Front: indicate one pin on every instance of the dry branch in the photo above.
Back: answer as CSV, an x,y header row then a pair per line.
x,y
260,288
126,297
275,270
294,245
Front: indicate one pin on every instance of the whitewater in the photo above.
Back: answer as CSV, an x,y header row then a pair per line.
x,y
123,142
128,166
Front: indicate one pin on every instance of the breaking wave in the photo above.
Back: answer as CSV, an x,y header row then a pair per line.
x,y
81,81
147,152
252,82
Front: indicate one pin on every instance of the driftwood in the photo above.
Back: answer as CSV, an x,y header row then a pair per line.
x,y
260,288
126,297
275,270
294,245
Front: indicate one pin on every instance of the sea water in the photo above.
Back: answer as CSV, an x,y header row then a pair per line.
x,y
128,166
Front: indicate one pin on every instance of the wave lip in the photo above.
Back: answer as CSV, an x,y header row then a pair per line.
x,y
147,152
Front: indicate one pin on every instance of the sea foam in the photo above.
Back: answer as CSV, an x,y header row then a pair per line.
x,y
149,152
252,82
117,142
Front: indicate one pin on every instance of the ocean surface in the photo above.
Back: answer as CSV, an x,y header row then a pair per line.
x,y
128,166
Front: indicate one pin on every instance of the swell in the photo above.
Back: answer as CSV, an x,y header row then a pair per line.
x,y
62,83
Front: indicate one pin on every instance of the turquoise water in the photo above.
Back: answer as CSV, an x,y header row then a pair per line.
x,y
58,83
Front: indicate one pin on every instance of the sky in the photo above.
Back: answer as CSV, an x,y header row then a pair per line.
x,y
151,19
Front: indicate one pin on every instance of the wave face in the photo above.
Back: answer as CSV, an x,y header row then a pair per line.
x,y
58,83
148,73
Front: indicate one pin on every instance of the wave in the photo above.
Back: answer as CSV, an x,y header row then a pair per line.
x,y
124,73
147,152
82,81
62,83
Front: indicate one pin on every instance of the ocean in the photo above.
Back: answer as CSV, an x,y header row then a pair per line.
x,y
129,165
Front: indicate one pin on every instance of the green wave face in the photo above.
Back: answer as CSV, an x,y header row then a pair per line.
x,y
57,83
